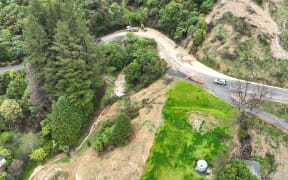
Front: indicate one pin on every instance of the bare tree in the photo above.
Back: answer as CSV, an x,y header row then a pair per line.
x,y
248,97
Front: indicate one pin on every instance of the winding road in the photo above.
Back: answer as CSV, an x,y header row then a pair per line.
x,y
183,65
16,67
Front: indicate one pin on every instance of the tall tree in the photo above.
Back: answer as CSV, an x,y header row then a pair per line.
x,y
36,44
68,73
65,121
65,60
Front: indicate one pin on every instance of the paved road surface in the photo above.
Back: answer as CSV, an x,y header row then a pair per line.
x,y
174,56
182,64
223,93
182,70
16,67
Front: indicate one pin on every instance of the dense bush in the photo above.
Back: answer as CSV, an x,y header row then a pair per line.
x,y
177,19
115,55
38,155
17,85
4,82
7,153
235,170
11,111
6,137
138,57
11,41
113,131
64,123
145,69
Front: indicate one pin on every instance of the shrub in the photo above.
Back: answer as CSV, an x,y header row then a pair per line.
x,y
38,155
6,137
88,143
121,129
27,143
11,110
7,153
65,122
235,170
4,82
114,131
17,85
242,134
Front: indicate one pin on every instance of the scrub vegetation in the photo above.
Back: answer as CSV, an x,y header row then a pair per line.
x,y
278,109
238,49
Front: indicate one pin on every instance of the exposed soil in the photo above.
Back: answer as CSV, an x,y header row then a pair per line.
x,y
119,89
126,162
256,16
202,122
36,95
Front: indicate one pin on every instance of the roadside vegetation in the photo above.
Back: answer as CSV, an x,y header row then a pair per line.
x,y
12,14
179,143
277,109
177,19
137,57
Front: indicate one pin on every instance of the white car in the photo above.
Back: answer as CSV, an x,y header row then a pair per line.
x,y
222,82
132,29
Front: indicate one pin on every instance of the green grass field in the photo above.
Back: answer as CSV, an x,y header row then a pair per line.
x,y
177,146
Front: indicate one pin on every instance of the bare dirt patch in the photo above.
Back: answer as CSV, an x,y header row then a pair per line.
x,y
256,16
119,89
126,162
202,121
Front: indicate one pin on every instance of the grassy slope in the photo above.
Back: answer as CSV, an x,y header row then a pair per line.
x,y
277,109
177,146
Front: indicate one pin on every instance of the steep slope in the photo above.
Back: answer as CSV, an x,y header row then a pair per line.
x,y
244,43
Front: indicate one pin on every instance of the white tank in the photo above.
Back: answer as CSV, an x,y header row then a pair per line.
x,y
201,166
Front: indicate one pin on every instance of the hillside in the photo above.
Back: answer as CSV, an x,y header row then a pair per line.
x,y
245,43
143,89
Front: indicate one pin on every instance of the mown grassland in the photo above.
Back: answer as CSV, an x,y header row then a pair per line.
x,y
177,145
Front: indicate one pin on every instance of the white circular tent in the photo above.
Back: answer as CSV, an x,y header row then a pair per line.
x,y
201,166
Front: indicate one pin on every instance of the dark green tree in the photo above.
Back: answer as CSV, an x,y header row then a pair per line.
x,y
68,73
36,45
65,121
235,170
121,129
17,85
171,15
62,53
